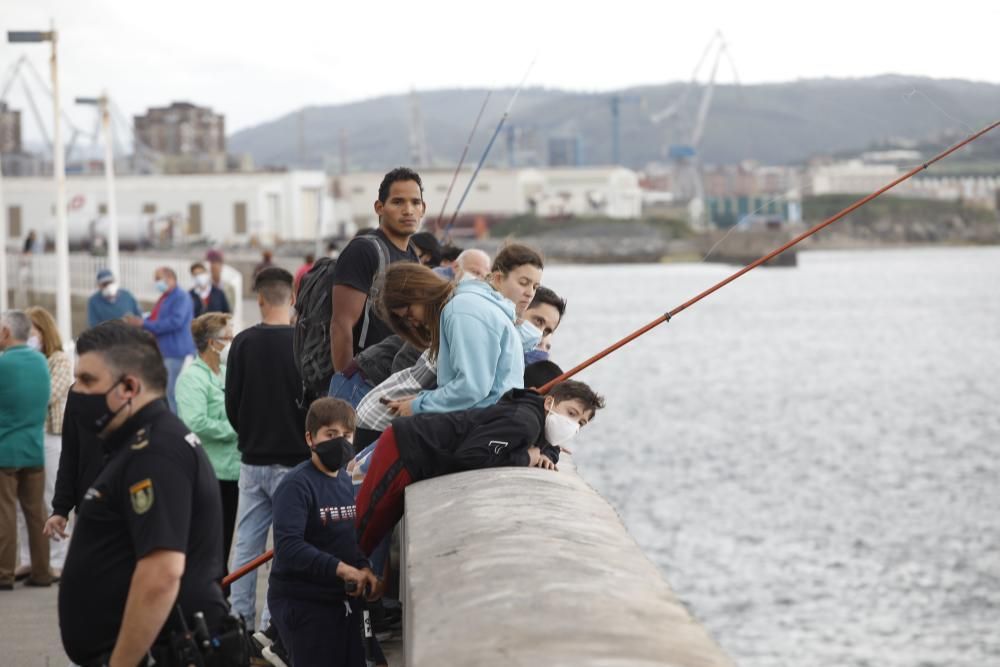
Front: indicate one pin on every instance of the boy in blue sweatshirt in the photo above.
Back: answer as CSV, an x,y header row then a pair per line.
x,y
315,550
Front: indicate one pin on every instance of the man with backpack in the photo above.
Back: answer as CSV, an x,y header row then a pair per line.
x,y
336,318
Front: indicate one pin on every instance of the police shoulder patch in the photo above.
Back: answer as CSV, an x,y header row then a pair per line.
x,y
141,440
192,440
141,494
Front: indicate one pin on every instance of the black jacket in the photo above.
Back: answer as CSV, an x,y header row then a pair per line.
x,y
433,444
262,392
80,462
217,302
389,356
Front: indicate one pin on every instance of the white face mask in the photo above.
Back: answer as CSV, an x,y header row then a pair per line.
x,y
531,336
34,342
223,353
560,429
110,290
202,280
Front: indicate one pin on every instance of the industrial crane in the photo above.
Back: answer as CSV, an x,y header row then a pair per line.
x,y
685,156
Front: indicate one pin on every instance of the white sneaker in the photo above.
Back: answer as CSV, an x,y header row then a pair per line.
x,y
262,639
273,657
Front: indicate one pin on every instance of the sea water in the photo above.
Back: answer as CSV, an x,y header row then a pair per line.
x,y
811,455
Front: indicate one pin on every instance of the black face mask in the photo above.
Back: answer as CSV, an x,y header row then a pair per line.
x,y
91,411
334,453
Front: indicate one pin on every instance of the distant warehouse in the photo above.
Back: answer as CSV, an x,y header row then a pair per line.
x,y
225,208
611,192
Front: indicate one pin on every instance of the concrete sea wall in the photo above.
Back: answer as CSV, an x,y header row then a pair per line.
x,y
519,566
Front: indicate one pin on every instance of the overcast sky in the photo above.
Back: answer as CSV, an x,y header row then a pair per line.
x,y
254,61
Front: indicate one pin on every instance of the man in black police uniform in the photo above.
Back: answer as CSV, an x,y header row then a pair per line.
x,y
148,538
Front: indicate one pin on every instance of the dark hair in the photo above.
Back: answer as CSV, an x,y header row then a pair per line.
x,y
545,295
428,243
450,253
396,175
197,265
208,326
406,283
540,373
310,258
329,411
573,389
514,255
275,284
126,349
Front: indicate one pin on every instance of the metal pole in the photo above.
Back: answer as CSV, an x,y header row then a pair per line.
x,y
109,177
64,315
3,244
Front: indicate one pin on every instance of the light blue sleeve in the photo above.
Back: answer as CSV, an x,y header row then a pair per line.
x,y
473,351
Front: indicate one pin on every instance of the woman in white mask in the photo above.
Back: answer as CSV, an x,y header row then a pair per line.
x,y
201,405
45,339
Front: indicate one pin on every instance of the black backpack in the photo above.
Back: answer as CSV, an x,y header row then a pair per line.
x,y
314,306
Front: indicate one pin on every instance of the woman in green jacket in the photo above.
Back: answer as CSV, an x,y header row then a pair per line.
x,y
201,405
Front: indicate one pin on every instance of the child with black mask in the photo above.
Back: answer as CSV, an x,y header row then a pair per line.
x,y
315,550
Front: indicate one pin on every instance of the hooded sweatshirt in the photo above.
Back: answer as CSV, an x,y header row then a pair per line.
x,y
500,435
481,355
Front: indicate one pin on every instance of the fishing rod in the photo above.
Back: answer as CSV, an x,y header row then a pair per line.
x,y
461,161
666,317
482,160
248,568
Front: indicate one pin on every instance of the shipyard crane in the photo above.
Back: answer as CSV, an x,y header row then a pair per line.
x,y
684,155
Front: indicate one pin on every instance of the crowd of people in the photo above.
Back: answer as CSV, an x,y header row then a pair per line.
x,y
181,444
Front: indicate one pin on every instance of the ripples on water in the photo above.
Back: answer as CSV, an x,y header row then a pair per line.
x,y
811,455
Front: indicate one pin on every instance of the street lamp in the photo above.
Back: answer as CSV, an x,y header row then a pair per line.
x,y
103,104
63,312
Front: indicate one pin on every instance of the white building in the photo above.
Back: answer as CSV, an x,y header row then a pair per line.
x,y
219,208
858,177
850,177
589,191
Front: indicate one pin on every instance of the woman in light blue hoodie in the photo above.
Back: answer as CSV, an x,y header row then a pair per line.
x,y
478,345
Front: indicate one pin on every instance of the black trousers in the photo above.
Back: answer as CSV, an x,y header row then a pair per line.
x,y
230,491
320,634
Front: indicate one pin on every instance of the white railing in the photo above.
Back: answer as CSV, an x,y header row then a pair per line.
x,y
37,273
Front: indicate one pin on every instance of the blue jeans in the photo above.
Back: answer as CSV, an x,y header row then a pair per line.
x,y
253,520
351,389
174,366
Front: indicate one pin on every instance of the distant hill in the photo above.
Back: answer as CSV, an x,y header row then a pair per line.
x,y
780,123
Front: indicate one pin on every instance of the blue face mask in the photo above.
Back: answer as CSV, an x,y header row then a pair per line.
x,y
531,336
161,286
535,355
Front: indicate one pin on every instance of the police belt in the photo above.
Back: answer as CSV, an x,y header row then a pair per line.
x,y
229,647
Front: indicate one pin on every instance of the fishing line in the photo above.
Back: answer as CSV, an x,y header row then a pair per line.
x,y
486,152
909,96
461,161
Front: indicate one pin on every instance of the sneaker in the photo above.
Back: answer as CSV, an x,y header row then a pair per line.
x,y
276,654
387,619
265,638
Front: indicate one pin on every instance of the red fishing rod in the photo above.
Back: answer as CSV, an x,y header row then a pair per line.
x,y
248,568
666,317
753,265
